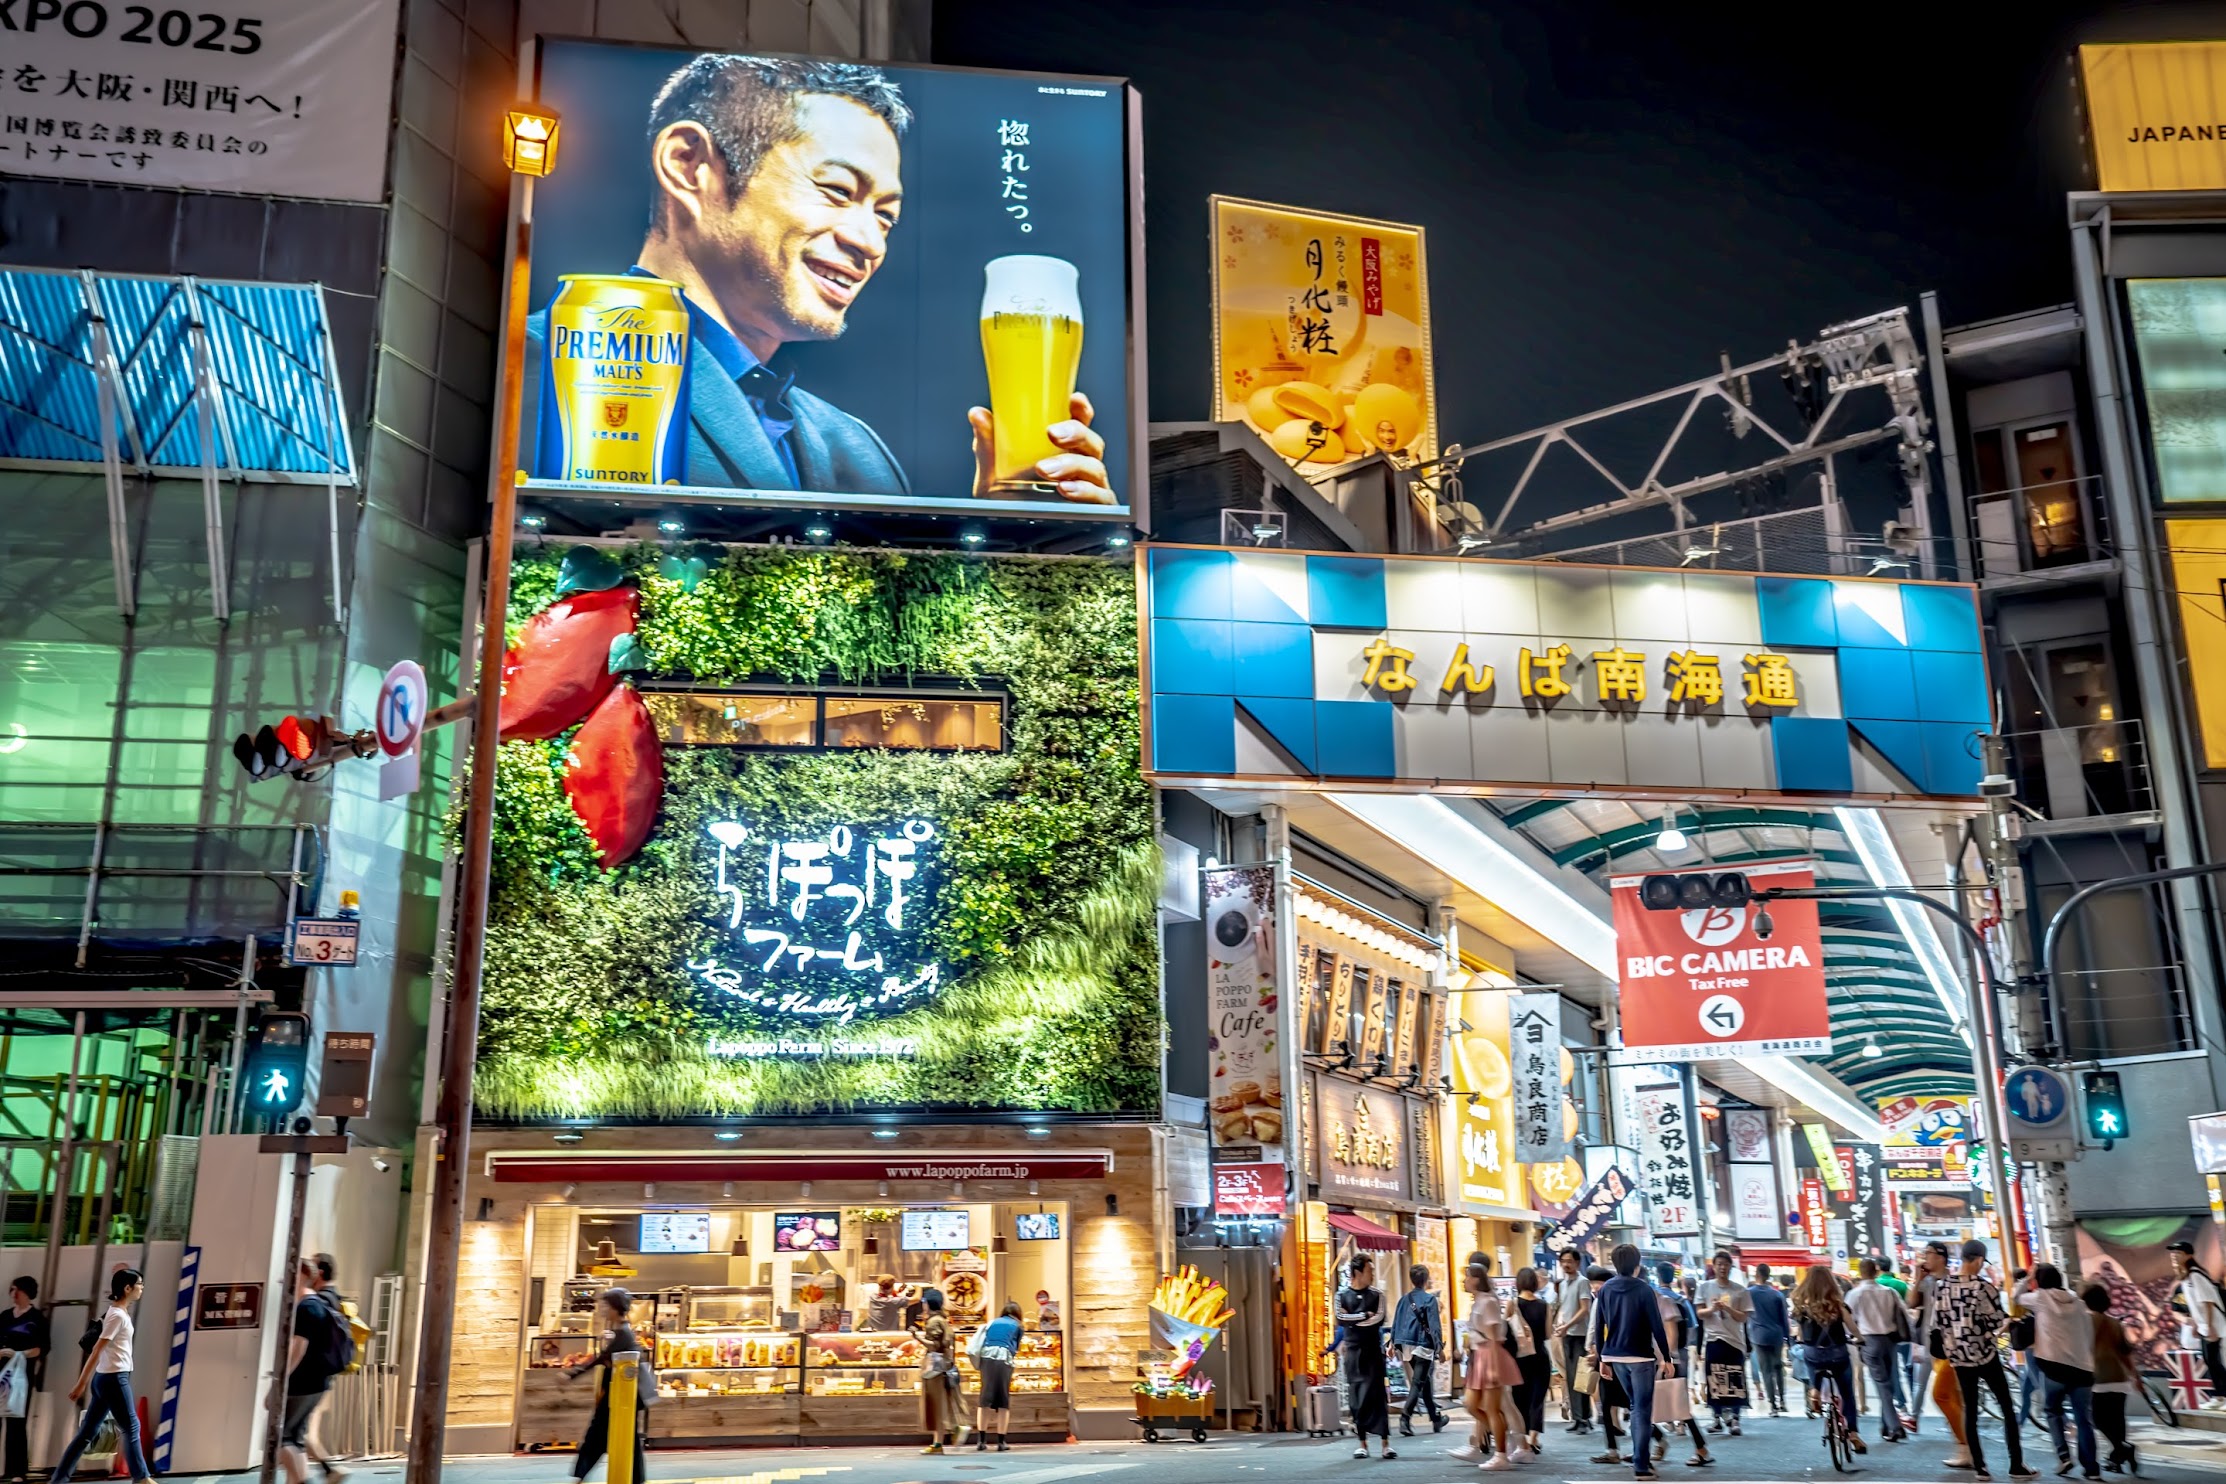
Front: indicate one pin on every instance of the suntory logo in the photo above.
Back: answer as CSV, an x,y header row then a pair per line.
x,y
614,414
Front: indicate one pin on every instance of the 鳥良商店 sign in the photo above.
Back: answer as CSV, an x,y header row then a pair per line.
x,y
287,99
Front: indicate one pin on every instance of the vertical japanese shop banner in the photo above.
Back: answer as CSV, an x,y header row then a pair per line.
x,y
1704,983
1755,1216
288,99
1814,1218
1662,1130
1534,1054
1246,1081
1864,1199
1322,334
1484,1106
1747,1136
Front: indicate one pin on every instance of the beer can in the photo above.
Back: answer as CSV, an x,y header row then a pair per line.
x,y
614,382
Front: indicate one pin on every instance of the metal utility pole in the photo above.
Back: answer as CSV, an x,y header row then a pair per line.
x,y
1998,843
460,1044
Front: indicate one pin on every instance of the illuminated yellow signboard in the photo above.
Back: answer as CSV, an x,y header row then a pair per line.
x,y
1322,334
2157,113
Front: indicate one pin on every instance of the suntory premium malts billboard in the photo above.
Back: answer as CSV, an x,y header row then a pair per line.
x,y
834,285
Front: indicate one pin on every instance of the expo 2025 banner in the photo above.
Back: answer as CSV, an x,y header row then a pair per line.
x,y
834,285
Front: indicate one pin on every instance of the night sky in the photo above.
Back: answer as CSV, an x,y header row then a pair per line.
x,y
1613,193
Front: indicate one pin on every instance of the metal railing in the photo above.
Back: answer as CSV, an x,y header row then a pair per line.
x,y
362,1417
58,878
2083,772
2007,541
1812,541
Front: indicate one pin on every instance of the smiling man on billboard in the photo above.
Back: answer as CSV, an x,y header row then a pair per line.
x,y
776,196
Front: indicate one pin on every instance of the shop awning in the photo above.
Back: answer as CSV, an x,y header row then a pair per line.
x,y
514,1166
1366,1233
1780,1258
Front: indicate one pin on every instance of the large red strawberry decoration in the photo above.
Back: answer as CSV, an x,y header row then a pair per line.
x,y
559,669
614,774
564,668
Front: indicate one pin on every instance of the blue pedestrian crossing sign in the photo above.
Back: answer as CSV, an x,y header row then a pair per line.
x,y
2037,1097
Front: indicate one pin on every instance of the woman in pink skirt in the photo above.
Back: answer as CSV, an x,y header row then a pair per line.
x,y
1490,1368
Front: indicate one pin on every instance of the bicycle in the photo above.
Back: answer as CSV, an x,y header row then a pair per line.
x,y
1836,1436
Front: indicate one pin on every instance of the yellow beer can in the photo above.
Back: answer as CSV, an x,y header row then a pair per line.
x,y
614,382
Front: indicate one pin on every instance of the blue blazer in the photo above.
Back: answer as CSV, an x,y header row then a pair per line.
x,y
727,445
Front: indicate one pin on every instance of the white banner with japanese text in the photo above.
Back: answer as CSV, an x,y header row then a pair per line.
x,y
1247,1078
286,99
1662,1131
1534,1054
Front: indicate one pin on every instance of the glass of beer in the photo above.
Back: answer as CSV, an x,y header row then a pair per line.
x,y
1032,343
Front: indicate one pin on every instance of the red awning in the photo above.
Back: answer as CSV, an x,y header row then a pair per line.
x,y
1366,1233
1780,1258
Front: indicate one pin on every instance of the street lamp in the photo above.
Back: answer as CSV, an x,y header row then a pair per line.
x,y
529,139
529,146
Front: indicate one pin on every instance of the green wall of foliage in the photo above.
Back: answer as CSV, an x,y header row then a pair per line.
x,y
1043,915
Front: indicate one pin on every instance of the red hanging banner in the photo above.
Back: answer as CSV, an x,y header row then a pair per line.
x,y
1706,983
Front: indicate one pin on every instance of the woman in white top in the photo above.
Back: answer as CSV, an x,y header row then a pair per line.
x,y
107,1375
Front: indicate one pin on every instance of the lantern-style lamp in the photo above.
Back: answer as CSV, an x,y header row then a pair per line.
x,y
529,139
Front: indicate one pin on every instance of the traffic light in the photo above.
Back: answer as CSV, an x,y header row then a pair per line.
x,y
1693,891
278,1063
2106,1108
296,746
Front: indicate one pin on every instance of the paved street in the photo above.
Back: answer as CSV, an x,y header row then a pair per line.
x,y
1771,1452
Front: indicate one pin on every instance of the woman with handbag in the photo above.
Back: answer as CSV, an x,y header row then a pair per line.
x,y
1491,1367
993,1348
938,1371
1825,1324
1533,1360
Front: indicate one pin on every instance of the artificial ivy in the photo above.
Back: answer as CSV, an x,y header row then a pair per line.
x,y
1043,918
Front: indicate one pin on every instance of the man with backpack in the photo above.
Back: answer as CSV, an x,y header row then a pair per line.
x,y
323,1347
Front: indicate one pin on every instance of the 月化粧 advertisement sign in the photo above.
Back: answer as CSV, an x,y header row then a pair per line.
x,y
1322,334
1707,983
913,291
1245,1080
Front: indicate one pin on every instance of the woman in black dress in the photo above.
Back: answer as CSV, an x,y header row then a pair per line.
x,y
1532,1359
1360,1310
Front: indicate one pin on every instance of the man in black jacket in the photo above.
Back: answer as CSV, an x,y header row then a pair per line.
x,y
1418,1329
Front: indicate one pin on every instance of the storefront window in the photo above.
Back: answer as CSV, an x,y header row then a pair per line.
x,y
893,719
750,1311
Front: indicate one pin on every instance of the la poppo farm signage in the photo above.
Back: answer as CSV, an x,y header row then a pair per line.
x,y
816,933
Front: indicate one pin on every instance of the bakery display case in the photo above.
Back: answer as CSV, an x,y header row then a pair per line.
x,y
1039,1366
861,1364
729,1308
724,1384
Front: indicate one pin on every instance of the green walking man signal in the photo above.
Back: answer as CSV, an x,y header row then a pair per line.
x,y
2106,1107
278,1064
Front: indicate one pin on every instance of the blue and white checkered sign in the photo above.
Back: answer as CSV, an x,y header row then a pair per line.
x,y
1445,671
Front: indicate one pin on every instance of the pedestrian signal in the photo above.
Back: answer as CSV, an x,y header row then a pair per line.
x,y
2106,1108
278,1064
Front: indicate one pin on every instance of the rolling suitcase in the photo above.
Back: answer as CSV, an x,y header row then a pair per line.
x,y
1322,1407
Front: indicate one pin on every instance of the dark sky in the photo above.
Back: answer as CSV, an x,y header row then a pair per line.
x,y
1613,193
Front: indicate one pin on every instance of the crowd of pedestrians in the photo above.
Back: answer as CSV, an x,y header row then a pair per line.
x,y
1645,1357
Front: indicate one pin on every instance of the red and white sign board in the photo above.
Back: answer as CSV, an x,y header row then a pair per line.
x,y
1704,984
1814,1225
1248,1190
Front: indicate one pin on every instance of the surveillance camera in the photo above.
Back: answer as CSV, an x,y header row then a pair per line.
x,y
1997,786
1764,927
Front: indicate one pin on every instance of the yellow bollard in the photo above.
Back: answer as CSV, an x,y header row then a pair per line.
x,y
625,1374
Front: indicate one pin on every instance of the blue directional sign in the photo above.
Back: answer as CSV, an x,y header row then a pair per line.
x,y
2037,1097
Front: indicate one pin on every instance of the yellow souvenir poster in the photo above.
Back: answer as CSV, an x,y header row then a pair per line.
x,y
1322,334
